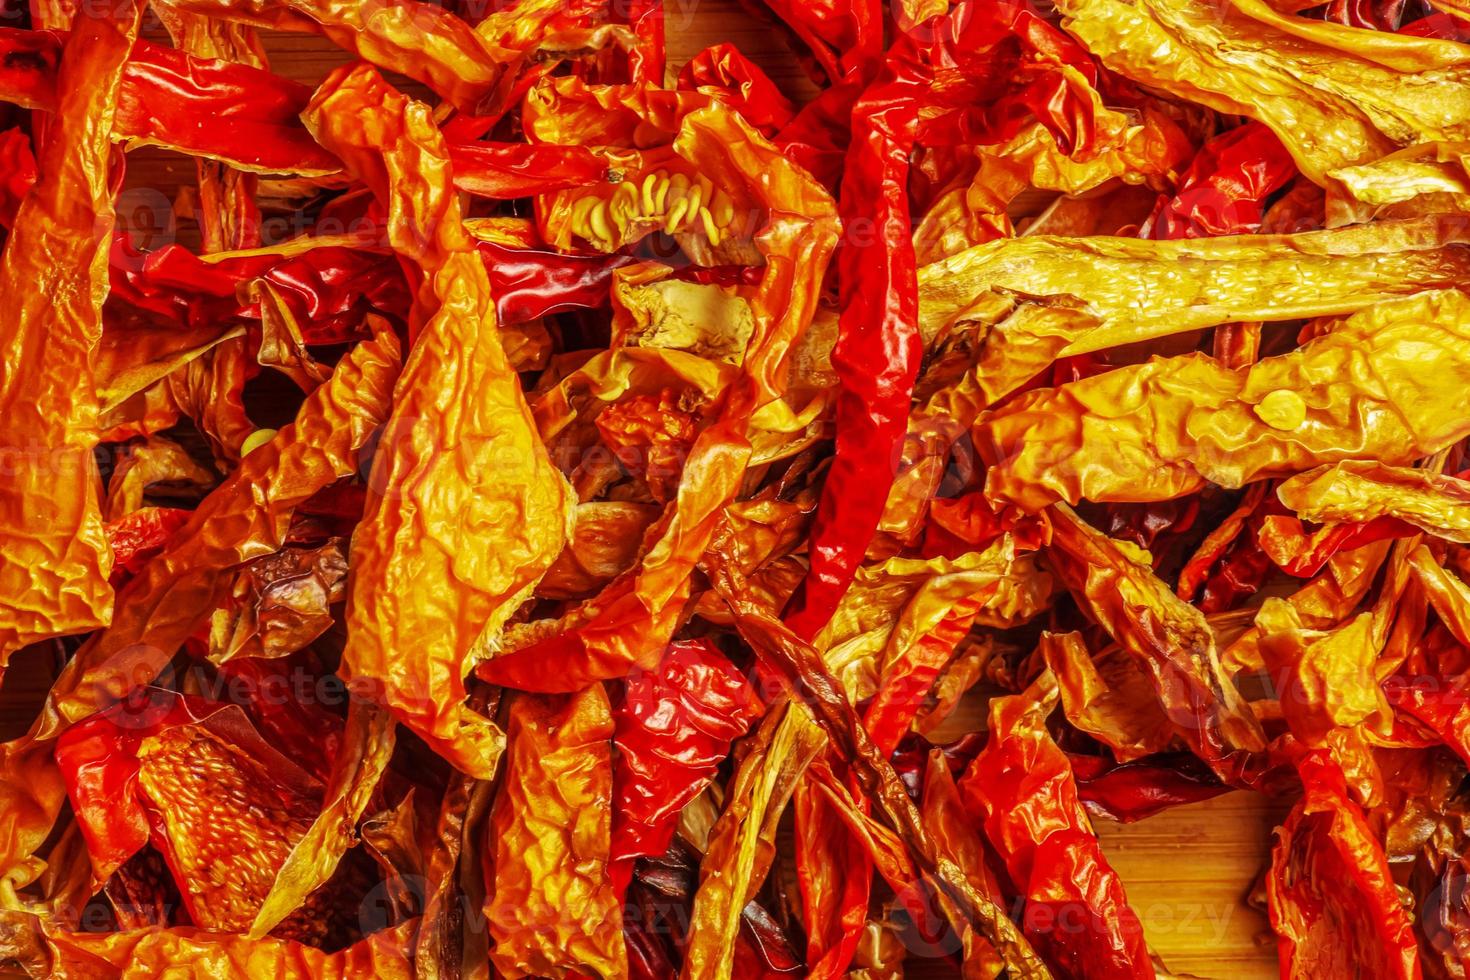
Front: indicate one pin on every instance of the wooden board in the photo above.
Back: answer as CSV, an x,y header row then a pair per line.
x,y
1187,871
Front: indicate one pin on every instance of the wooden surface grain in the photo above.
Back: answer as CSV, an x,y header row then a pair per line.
x,y
1187,871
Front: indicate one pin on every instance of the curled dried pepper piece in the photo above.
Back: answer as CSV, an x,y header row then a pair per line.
x,y
1021,786
1365,490
554,911
835,875
1331,895
899,623
221,805
722,68
54,561
674,727
1167,636
1109,696
18,166
1381,383
138,536
1140,788
280,603
460,463
1224,189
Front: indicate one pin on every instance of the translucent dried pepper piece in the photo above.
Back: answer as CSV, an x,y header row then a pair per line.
x,y
743,843
553,911
1021,787
674,727
1332,898
1195,283
1336,96
466,511
1108,696
1325,678
280,603
54,561
893,626
1364,490
835,876
1381,383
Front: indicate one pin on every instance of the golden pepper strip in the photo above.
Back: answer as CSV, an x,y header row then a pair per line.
x,y
465,510
1141,290
1386,383
54,557
553,911
1361,490
1336,96
743,841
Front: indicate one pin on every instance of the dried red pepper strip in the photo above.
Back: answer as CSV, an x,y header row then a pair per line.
x,y
1224,191
1332,898
748,89
255,115
844,36
835,874
673,729
1021,786
1143,787
531,283
17,172
878,347
138,536
164,95
510,170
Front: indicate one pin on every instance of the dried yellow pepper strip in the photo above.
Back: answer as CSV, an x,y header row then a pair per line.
x,y
54,557
465,510
1336,96
553,911
1360,490
1140,290
1386,383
